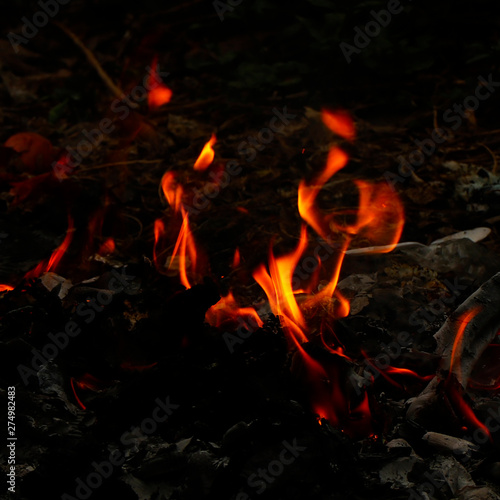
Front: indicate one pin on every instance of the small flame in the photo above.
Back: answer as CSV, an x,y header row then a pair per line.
x,y
236,259
108,247
456,352
227,312
5,288
56,256
340,123
159,94
184,251
337,159
206,156
172,190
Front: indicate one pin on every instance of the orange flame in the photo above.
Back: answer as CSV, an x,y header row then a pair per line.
x,y
340,123
5,288
337,159
227,312
159,94
277,284
184,251
172,190
56,256
456,351
207,155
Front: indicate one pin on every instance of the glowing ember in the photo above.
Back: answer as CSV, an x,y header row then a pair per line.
x,y
159,94
206,156
56,256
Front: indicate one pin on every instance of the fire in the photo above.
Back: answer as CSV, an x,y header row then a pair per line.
x,y
184,251
159,94
337,159
380,218
108,247
227,313
5,288
172,190
206,156
453,387
340,123
185,256
55,258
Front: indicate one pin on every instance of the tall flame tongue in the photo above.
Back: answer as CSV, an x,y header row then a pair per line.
x,y
55,258
453,388
379,217
185,256
159,94
206,156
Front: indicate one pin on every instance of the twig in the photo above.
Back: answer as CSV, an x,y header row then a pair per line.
x,y
95,63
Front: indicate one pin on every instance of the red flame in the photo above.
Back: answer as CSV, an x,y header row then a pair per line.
x,y
5,288
340,123
159,94
56,256
206,156
108,247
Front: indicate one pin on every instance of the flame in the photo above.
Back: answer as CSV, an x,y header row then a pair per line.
x,y
130,366
87,382
159,233
184,251
56,256
379,217
277,284
108,247
456,351
172,190
159,94
227,312
453,386
206,156
5,288
337,159
236,259
340,123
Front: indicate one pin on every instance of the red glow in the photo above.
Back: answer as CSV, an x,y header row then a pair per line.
x,y
5,288
159,94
